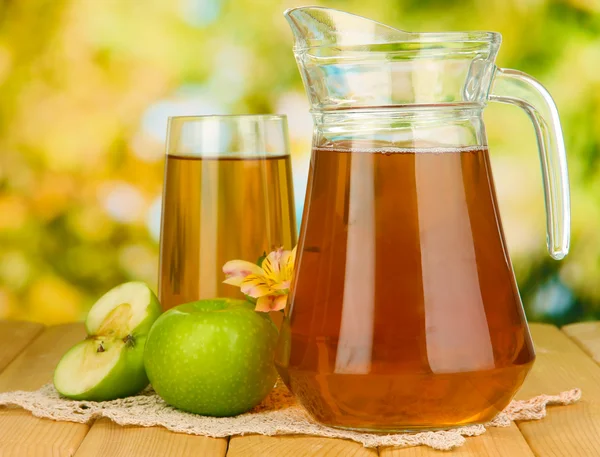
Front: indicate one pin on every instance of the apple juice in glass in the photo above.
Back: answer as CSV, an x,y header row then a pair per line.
x,y
227,195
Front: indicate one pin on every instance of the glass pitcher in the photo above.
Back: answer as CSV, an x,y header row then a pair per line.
x,y
404,311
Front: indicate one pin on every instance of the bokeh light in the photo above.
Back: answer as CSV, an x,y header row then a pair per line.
x,y
85,105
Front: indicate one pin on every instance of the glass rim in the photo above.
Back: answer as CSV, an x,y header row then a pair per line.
x,y
229,134
200,117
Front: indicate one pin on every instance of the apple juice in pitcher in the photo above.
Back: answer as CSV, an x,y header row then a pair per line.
x,y
404,312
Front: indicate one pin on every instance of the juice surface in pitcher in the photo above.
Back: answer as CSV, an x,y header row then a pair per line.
x,y
218,209
404,311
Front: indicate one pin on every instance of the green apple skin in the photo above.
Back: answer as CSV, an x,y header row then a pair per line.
x,y
212,357
128,376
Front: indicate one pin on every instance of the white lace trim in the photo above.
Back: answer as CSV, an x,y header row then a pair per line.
x,y
279,414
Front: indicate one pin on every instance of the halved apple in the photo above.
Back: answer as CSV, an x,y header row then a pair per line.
x,y
109,363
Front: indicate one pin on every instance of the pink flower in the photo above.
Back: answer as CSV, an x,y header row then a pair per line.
x,y
269,284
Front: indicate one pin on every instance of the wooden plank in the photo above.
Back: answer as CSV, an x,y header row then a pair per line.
x,y
587,336
106,438
34,366
561,365
14,337
21,434
295,445
496,442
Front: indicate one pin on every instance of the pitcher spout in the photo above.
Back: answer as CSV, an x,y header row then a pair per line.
x,y
348,61
315,26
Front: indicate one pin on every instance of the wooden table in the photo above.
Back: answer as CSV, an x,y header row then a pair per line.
x,y
567,358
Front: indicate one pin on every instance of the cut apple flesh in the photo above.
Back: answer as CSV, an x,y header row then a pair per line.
x,y
119,311
86,365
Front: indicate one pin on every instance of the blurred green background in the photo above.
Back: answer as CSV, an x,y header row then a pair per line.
x,y
87,86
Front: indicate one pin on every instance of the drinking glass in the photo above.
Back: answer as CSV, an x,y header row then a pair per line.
x,y
227,195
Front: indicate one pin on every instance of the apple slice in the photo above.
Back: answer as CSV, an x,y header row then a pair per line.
x,y
109,363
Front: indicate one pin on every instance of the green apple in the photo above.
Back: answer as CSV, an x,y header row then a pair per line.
x,y
109,363
212,357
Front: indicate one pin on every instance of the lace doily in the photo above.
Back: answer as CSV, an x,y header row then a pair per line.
x,y
279,414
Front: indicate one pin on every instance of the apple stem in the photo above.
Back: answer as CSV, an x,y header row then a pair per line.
x,y
100,348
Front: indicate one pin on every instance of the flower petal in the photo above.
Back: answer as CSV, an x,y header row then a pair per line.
x,y
285,285
234,281
239,269
263,304
279,302
255,286
271,303
288,259
271,264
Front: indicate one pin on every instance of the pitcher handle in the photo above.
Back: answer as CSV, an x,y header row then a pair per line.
x,y
518,88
